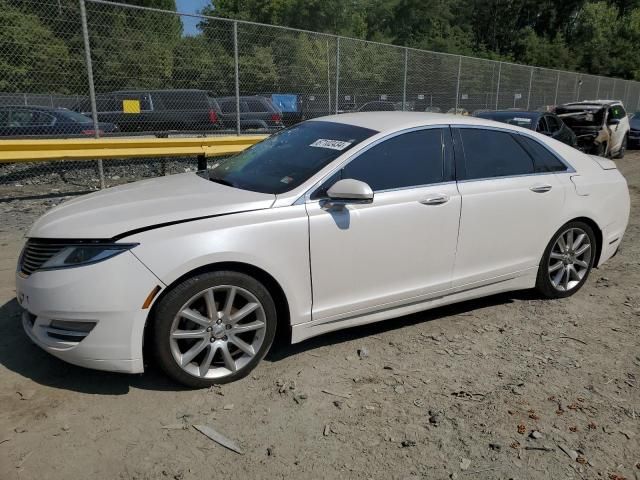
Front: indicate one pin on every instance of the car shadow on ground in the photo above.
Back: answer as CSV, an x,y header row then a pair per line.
x,y
19,355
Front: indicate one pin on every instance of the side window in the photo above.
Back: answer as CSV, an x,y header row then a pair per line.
x,y
617,111
407,160
256,106
21,118
544,160
543,126
489,154
4,118
554,123
227,106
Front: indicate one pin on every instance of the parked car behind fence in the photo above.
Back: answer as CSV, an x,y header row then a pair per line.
x,y
256,113
151,111
545,123
21,121
601,126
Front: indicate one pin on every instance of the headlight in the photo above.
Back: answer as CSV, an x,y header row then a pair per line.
x,y
85,254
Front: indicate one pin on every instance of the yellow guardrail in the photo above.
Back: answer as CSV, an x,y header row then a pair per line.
x,y
103,148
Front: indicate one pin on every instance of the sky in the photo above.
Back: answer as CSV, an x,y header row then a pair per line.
x,y
190,6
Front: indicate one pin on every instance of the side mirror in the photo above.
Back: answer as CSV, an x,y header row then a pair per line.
x,y
348,191
614,121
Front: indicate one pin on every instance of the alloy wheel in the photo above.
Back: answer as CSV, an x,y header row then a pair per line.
x,y
217,332
570,259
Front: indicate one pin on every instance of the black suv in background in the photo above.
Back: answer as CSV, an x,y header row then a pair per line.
x,y
27,121
256,113
156,111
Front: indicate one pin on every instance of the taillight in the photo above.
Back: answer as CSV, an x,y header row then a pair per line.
x,y
276,118
213,116
91,132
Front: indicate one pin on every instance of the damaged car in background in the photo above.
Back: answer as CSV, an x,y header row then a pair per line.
x,y
601,126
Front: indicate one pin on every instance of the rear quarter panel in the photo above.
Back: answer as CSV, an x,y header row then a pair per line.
x,y
599,194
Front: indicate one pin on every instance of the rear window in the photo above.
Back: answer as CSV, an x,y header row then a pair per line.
x,y
75,117
285,160
255,106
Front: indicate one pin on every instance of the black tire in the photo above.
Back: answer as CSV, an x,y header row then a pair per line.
x,y
543,282
167,308
623,148
601,150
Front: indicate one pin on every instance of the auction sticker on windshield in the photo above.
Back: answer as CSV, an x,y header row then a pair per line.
x,y
332,144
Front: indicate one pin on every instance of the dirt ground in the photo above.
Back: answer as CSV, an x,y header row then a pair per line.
x,y
451,393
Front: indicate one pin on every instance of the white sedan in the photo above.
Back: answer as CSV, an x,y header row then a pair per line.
x,y
335,222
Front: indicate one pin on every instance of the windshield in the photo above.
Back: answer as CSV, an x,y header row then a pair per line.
x,y
76,117
512,118
581,116
285,160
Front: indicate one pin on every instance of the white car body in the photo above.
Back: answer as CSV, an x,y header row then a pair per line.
x,y
336,269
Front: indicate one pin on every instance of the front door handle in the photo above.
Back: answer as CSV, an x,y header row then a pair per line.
x,y
541,188
437,199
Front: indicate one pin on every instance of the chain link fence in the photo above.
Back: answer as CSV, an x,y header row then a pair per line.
x,y
133,70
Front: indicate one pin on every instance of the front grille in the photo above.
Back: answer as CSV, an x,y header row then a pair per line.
x,y
36,253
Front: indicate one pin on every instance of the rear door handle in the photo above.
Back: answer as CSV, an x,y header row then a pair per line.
x,y
437,199
541,188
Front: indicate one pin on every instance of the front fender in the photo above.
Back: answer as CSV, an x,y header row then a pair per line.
x,y
274,240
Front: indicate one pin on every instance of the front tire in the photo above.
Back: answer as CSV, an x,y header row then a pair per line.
x,y
213,328
567,260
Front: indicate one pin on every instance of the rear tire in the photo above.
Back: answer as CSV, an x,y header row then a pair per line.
x,y
213,328
567,260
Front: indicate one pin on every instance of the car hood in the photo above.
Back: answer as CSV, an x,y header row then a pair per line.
x,y
110,213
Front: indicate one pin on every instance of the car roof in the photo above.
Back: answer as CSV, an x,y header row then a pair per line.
x,y
35,107
398,120
512,113
593,102
160,90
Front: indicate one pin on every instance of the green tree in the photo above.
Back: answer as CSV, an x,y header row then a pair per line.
x,y
32,59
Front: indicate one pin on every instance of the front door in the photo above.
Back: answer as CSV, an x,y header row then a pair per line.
x,y
396,250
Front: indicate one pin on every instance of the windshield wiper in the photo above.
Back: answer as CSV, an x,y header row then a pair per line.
x,y
223,182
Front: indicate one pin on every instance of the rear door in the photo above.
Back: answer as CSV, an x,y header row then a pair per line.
x,y
510,206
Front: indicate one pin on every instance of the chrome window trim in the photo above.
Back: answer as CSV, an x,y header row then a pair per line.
x,y
306,197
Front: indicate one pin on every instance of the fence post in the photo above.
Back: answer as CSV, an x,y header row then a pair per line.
x,y
237,75
404,82
498,87
458,84
92,91
337,71
328,78
555,99
598,91
530,83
